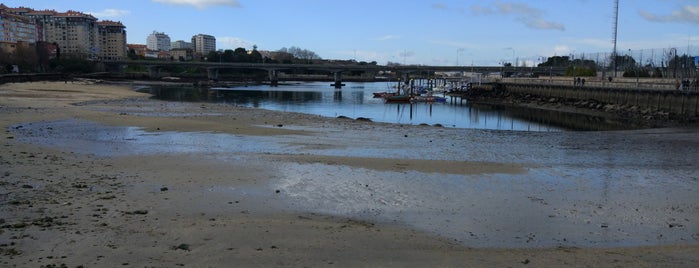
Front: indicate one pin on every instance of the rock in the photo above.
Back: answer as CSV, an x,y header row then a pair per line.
x,y
181,247
137,212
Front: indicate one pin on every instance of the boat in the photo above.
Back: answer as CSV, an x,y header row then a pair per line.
x,y
398,99
383,94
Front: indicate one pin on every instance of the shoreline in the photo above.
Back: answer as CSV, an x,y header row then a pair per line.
x,y
173,209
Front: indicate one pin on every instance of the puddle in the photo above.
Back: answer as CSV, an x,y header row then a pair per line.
x,y
571,195
110,141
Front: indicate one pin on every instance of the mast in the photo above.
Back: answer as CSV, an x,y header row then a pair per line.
x,y
616,23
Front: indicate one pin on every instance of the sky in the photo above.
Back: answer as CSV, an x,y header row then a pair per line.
x,y
426,32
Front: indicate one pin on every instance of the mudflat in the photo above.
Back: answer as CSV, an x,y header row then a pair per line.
x,y
97,175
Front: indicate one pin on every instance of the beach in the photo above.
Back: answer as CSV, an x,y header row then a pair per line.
x,y
99,175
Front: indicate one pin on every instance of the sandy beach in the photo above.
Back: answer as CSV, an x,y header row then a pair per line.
x,y
98,175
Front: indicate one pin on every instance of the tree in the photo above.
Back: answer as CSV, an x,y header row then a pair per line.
x,y
306,56
556,61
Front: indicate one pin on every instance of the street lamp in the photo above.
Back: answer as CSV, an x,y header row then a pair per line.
x,y
514,64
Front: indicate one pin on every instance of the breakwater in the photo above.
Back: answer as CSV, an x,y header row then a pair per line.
x,y
650,107
671,101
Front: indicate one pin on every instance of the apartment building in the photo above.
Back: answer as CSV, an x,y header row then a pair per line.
x,y
181,44
112,40
16,28
76,33
203,44
158,41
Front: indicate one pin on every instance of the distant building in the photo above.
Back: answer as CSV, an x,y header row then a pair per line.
x,y
74,32
138,49
14,28
203,44
181,44
158,41
182,54
71,32
112,40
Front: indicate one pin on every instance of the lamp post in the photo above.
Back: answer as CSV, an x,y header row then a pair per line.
x,y
514,64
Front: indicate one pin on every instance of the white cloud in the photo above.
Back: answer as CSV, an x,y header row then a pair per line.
x,y
561,50
110,13
233,43
201,4
387,37
529,16
688,14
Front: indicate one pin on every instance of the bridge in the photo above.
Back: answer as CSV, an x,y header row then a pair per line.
x,y
273,69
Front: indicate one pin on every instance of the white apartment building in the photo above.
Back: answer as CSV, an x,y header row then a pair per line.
x,y
158,41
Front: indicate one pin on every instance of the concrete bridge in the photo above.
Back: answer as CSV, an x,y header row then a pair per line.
x,y
273,69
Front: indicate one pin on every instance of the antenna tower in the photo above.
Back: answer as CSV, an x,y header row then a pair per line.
x,y
616,22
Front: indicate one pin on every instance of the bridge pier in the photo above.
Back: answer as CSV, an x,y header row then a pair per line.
x,y
212,73
154,72
338,80
273,77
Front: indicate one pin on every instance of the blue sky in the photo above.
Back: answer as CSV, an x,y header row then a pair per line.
x,y
428,32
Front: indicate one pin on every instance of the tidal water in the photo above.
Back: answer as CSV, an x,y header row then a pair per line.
x,y
356,100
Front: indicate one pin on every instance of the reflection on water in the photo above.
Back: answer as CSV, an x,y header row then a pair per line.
x,y
356,100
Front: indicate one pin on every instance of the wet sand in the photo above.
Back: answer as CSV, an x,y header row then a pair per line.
x,y
99,175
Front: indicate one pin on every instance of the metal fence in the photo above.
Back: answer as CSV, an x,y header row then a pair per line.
x,y
676,63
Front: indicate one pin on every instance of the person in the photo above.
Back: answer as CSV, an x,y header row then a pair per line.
x,y
609,78
582,82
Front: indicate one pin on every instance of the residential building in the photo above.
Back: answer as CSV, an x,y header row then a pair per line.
x,y
182,54
74,33
14,28
203,44
112,40
158,41
181,44
139,50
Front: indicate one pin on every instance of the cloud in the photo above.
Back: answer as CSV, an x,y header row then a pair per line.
x,y
439,6
687,14
110,13
227,42
529,16
541,24
517,8
387,37
201,4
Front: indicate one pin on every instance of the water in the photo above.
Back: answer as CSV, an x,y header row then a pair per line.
x,y
356,100
580,189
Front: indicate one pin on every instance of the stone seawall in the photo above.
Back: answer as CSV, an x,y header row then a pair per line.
x,y
672,101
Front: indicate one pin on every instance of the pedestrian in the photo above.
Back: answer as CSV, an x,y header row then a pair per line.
x,y
582,82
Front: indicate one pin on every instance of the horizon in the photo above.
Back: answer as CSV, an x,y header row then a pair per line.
x,y
439,33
